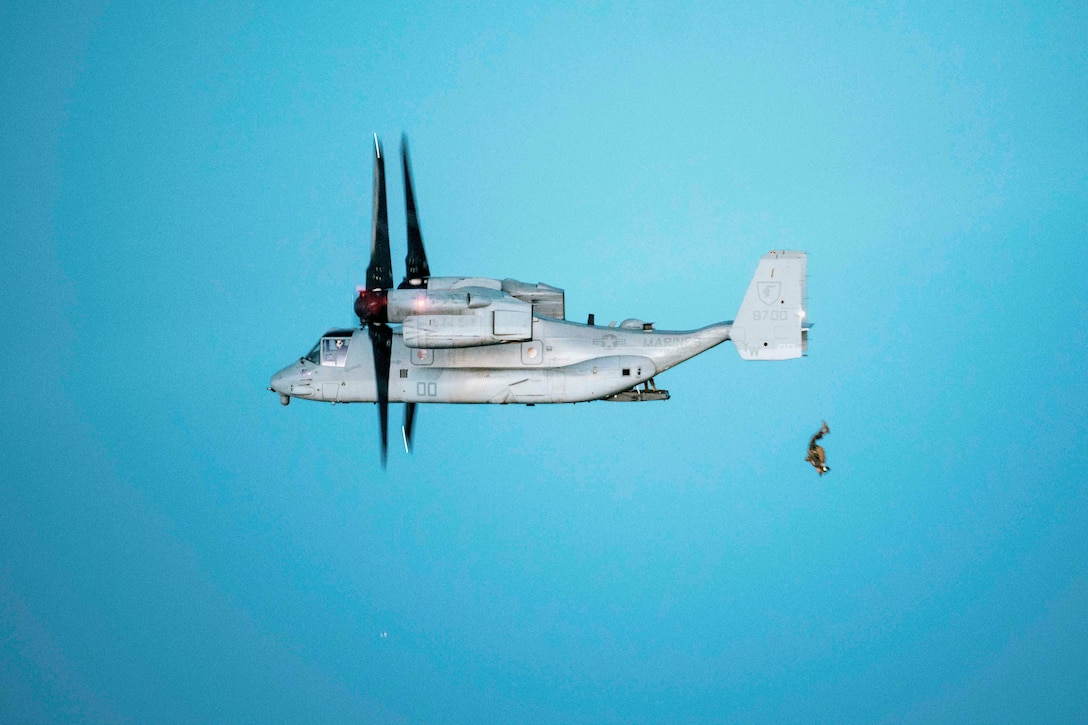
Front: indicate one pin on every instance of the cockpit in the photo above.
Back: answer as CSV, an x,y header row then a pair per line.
x,y
332,349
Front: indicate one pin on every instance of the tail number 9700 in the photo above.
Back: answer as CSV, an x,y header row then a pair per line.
x,y
772,315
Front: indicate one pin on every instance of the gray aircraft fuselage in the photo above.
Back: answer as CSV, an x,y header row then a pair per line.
x,y
476,340
563,362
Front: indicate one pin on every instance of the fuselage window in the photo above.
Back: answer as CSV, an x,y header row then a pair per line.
x,y
334,351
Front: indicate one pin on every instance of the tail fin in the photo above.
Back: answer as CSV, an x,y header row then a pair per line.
x,y
771,322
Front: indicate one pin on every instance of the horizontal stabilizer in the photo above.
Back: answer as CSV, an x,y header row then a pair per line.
x,y
771,322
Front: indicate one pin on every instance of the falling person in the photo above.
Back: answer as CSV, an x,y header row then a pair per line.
x,y
816,454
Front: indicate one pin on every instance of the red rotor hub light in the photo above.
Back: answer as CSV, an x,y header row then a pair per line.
x,y
371,305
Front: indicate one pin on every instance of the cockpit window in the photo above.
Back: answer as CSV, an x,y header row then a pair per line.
x,y
334,351
314,355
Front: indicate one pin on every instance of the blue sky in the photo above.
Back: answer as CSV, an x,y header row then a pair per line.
x,y
185,208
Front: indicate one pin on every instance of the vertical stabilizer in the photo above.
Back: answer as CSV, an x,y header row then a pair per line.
x,y
771,322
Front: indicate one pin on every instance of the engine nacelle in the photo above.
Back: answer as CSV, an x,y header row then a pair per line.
x,y
504,320
463,295
406,303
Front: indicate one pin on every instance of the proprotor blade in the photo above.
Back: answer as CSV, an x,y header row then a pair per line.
x,y
409,419
417,271
381,340
379,275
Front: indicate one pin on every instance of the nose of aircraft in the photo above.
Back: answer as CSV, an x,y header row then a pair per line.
x,y
279,382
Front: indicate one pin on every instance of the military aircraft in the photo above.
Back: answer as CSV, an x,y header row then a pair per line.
x,y
476,340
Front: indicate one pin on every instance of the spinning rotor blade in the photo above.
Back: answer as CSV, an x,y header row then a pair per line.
x,y
417,271
370,306
381,339
379,275
409,419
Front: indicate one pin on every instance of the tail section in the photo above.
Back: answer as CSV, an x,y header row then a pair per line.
x,y
771,322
